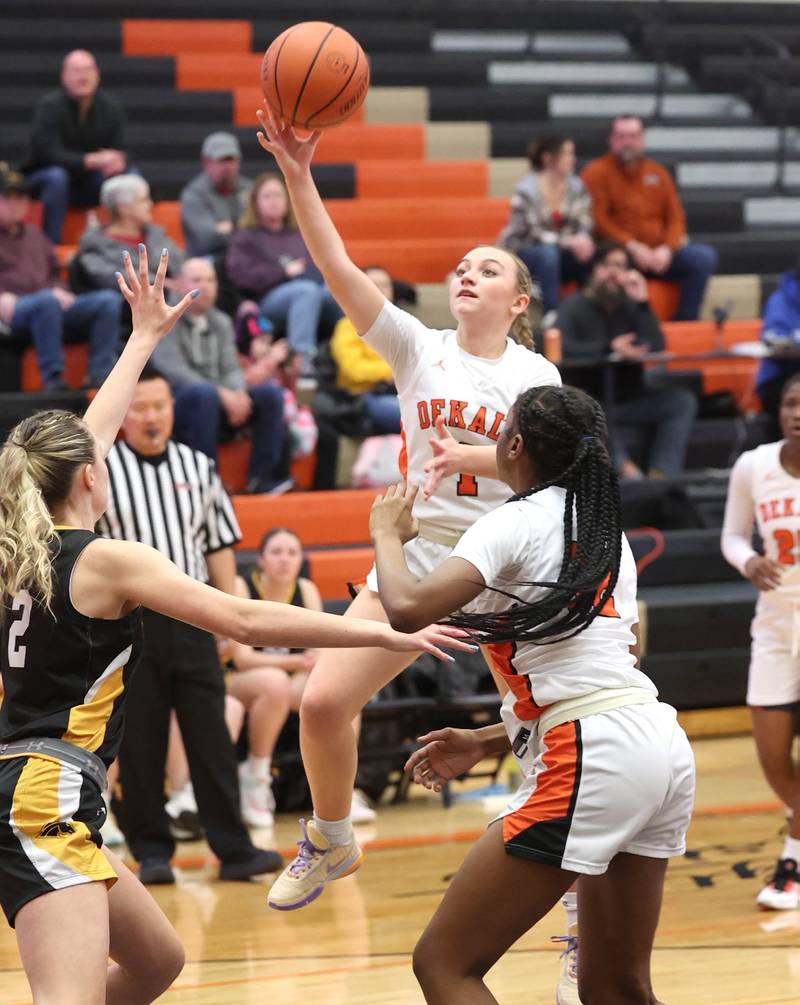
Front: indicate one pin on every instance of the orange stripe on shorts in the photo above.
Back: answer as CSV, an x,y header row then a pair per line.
x,y
554,786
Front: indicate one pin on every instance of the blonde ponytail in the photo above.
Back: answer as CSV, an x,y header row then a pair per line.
x,y
37,467
521,330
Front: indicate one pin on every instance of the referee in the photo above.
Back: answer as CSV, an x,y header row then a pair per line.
x,y
169,496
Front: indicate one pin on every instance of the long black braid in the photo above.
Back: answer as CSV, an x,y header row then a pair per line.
x,y
564,433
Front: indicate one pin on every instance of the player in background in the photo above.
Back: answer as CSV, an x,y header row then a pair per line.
x,y
465,379
608,774
71,638
764,490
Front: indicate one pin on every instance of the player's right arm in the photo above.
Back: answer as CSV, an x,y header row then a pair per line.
x,y
114,577
355,293
737,529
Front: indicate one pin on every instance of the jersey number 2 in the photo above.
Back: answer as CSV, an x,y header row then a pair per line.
x,y
467,485
16,651
785,542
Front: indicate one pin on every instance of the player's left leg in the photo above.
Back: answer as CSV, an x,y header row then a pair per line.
x,y
62,969
144,946
773,731
618,916
493,899
567,987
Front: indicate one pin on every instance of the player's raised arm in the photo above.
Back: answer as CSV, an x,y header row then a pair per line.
x,y
152,319
355,293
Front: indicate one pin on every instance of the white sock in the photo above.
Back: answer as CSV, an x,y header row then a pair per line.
x,y
338,832
259,767
570,904
791,849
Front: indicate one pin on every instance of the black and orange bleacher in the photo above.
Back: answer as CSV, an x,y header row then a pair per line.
x,y
413,215
333,526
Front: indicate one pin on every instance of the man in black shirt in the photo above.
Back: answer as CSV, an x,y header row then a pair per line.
x,y
612,315
77,141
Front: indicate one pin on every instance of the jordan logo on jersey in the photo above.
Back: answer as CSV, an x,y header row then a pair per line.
x,y
485,421
439,363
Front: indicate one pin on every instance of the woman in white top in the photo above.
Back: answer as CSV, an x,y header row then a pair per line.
x,y
608,777
461,381
765,490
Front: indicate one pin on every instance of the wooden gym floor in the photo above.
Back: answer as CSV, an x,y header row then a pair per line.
x,y
353,945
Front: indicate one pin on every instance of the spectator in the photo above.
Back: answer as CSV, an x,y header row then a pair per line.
x,y
198,359
99,257
77,140
635,202
781,327
363,372
612,315
550,226
270,682
213,201
34,303
170,497
268,261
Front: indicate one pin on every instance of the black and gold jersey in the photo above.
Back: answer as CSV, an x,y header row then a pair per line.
x,y
64,675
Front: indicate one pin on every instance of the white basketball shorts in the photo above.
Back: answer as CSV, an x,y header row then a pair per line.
x,y
618,781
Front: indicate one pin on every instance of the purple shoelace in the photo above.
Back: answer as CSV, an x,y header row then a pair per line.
x,y
570,950
302,860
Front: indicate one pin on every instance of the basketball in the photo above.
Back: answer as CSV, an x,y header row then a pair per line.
x,y
314,75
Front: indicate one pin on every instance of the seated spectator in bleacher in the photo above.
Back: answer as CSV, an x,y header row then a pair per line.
x,y
362,371
635,202
550,226
99,257
77,140
198,359
213,201
35,303
781,327
612,315
269,262
270,682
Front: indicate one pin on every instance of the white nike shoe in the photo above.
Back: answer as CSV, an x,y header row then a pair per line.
x,y
360,810
783,892
257,800
317,862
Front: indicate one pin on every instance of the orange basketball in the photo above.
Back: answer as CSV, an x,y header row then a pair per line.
x,y
314,75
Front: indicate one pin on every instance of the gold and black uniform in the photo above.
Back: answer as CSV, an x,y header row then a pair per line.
x,y
64,678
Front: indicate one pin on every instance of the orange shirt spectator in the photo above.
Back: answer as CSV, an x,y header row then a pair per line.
x,y
636,201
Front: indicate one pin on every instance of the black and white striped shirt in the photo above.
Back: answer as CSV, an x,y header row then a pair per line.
x,y
175,502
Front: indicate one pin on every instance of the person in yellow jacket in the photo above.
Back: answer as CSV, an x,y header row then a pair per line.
x,y
361,371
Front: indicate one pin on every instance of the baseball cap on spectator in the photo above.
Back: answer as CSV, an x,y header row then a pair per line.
x,y
11,181
218,146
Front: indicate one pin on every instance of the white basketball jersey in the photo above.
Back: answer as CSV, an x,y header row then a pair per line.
x,y
523,541
776,508
434,377
776,504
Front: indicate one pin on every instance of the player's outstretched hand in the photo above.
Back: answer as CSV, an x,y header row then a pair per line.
x,y
294,155
446,754
152,315
391,513
433,639
447,459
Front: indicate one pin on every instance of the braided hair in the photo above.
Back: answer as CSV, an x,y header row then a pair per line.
x,y
564,434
